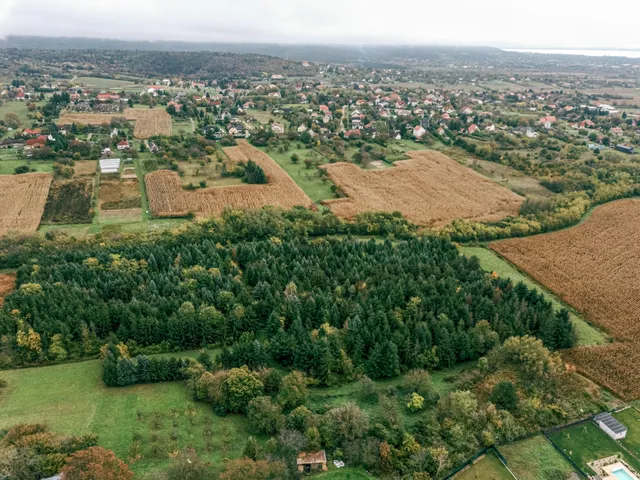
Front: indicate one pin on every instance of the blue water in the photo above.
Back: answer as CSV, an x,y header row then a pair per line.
x,y
622,474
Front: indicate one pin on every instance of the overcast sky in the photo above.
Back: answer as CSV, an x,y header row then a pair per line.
x,y
500,23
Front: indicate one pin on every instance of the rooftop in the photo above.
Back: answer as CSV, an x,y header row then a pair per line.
x,y
305,458
612,424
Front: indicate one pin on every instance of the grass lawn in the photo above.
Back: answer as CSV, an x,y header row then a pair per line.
x,y
535,458
183,126
630,418
488,468
586,443
72,399
344,474
104,82
19,108
307,178
8,167
491,262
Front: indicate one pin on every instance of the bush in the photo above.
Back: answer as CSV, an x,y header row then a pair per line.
x,y
265,416
504,396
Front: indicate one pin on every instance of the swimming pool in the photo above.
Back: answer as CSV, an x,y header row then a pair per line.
x,y
622,474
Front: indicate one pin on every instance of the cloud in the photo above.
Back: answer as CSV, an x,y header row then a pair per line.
x,y
503,23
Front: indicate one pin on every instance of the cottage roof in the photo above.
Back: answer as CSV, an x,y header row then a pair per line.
x,y
306,458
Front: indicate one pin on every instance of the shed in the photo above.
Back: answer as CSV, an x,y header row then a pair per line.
x,y
611,426
309,462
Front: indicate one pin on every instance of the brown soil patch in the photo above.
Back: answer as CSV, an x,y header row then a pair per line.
x,y
430,189
22,201
123,215
167,198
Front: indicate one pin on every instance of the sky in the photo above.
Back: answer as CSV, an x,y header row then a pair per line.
x,y
499,23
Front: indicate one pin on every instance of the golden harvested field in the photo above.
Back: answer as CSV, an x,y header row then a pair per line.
x,y
148,122
168,199
7,284
595,268
430,190
22,201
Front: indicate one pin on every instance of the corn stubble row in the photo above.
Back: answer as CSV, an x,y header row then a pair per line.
x,y
430,189
595,267
168,199
22,201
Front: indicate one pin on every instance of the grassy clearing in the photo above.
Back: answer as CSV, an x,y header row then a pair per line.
x,y
630,418
586,443
491,262
487,468
72,399
317,187
535,458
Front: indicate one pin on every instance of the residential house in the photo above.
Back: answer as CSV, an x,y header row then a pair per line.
x,y
277,128
123,145
418,131
617,131
472,128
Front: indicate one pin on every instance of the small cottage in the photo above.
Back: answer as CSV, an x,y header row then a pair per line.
x,y
309,462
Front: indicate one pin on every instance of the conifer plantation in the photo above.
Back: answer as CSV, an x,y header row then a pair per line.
x,y
305,303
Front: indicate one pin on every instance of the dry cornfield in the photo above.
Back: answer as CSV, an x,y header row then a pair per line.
x,y
430,190
85,167
168,199
594,267
147,122
22,201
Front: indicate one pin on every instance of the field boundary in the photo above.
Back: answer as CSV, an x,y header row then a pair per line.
x,y
609,338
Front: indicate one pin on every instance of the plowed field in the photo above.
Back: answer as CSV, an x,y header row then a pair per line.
x,y
167,198
595,267
430,189
22,201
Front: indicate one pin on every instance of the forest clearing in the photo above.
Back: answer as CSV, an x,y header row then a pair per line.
x,y
22,201
167,198
430,189
591,267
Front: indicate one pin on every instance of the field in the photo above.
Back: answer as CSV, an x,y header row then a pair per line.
x,y
7,283
430,189
509,178
22,201
69,201
72,399
119,201
585,443
85,167
491,262
106,83
487,468
591,267
148,122
535,458
167,198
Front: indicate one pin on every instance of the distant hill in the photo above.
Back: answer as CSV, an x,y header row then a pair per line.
x,y
364,54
